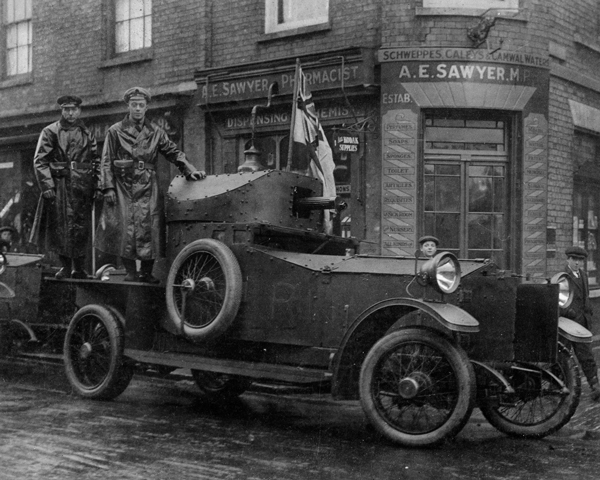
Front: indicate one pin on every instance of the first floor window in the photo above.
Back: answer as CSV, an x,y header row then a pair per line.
x,y
17,25
284,15
133,25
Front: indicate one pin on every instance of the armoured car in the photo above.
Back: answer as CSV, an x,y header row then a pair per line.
x,y
254,291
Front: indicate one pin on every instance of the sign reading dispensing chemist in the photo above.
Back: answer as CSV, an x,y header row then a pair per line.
x,y
412,79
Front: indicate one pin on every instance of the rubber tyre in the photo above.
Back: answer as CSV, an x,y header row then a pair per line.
x,y
539,411
93,354
445,397
220,387
204,309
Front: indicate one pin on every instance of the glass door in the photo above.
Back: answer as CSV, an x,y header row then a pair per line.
x,y
465,184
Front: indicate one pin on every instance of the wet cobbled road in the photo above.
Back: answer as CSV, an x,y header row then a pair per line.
x,y
160,429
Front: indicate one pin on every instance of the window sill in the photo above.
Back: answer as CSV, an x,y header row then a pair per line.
x,y
17,80
136,56
586,42
322,27
522,16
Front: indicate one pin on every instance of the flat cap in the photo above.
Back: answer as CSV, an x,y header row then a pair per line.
x,y
428,238
137,92
8,229
69,100
575,251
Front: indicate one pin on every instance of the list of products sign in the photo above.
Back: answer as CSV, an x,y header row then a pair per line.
x,y
399,182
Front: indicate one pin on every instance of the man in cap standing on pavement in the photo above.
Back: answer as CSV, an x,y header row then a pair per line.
x,y
129,226
581,312
66,167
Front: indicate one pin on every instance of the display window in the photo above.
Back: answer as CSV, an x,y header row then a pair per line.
x,y
586,199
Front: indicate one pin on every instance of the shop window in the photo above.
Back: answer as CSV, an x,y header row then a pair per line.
x,y
284,15
479,4
465,185
17,28
586,200
133,25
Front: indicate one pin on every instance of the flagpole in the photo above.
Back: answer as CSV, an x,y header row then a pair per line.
x,y
294,108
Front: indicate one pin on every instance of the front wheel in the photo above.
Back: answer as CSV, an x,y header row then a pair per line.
x,y
220,386
546,397
93,354
417,388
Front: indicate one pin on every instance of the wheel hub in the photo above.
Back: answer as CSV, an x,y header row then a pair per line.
x,y
207,283
85,350
412,385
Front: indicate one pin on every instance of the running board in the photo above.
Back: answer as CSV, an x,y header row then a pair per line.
x,y
264,371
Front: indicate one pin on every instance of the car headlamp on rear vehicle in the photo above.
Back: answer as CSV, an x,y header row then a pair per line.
x,y
442,272
565,289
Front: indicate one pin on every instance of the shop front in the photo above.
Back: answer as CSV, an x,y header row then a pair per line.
x,y
252,105
465,154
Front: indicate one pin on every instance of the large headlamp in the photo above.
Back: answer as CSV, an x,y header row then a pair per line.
x,y
565,289
442,272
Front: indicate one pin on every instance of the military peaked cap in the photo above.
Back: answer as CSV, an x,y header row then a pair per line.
x,y
68,100
576,252
428,238
136,92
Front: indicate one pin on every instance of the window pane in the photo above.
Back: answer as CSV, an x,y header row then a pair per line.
x,y
11,62
137,34
10,11
23,33
480,231
121,37
19,10
121,10
445,227
136,9
480,195
11,36
22,59
27,9
447,194
147,31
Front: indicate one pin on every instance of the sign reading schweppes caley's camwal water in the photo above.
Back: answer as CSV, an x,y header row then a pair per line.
x,y
455,78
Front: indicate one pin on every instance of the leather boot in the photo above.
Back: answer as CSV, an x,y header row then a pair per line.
x,y
65,271
146,272
130,268
595,387
78,271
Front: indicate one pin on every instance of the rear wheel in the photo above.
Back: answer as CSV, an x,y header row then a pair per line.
x,y
546,397
417,388
220,386
93,354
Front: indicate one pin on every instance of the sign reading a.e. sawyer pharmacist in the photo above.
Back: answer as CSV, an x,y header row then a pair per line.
x,y
412,79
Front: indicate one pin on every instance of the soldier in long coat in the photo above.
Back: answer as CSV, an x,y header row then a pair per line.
x,y
581,312
66,167
129,225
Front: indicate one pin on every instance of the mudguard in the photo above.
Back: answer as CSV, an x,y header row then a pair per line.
x,y
573,332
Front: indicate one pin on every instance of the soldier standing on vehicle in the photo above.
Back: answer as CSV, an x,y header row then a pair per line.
x,y
581,312
129,225
66,166
429,245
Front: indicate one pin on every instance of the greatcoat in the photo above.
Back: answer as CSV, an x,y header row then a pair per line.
x,y
132,227
66,159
